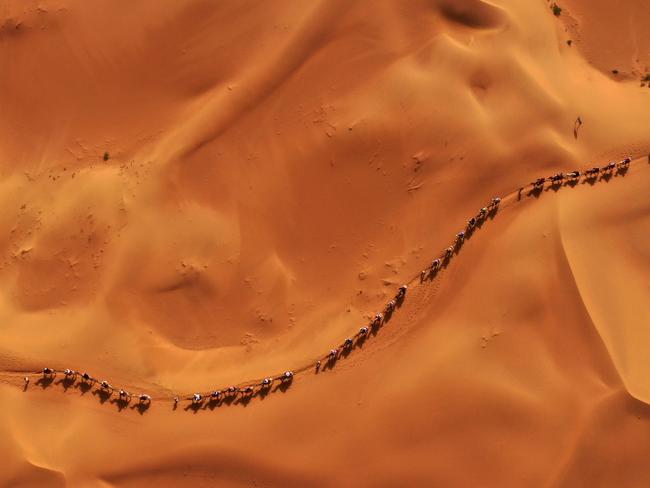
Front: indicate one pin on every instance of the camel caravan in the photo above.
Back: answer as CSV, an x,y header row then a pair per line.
x,y
377,321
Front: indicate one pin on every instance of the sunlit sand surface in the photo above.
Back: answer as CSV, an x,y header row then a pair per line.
x,y
199,194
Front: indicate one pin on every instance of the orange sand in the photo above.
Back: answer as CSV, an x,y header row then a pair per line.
x,y
276,170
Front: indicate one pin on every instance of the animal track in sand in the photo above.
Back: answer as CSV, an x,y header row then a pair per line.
x,y
241,394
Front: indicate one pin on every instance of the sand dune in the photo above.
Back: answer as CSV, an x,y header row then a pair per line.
x,y
196,194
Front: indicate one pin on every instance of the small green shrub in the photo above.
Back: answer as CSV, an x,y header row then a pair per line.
x,y
556,9
106,156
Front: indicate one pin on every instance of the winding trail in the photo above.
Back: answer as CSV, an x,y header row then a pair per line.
x,y
245,391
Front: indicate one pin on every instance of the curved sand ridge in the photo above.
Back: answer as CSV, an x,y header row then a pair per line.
x,y
243,392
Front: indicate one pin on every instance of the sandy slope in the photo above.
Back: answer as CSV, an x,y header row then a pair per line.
x,y
276,170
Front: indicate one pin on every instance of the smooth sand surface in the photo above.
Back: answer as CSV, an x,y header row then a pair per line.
x,y
275,171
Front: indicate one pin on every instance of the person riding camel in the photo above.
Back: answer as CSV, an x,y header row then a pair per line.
x,y
539,182
377,319
449,252
401,292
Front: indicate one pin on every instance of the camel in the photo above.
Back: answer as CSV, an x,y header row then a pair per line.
x,y
401,292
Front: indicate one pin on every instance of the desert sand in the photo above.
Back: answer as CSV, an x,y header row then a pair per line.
x,y
196,194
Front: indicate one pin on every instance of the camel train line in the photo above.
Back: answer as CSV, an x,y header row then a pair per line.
x,y
249,389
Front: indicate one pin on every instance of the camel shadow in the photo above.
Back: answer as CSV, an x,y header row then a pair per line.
x,y
45,381
375,326
590,180
283,386
228,400
605,177
140,407
388,314
194,407
345,352
66,382
120,403
431,275
243,400
535,192
330,363
554,187
213,403
479,224
361,340
103,395
263,392
83,387
572,183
